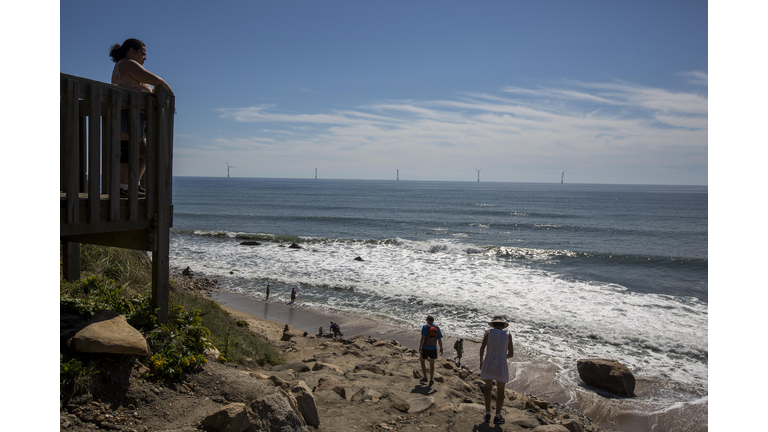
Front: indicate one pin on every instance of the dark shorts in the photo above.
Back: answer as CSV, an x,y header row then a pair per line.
x,y
125,150
428,353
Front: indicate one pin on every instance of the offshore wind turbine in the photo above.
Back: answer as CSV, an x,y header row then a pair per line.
x,y
228,167
315,173
478,174
562,176
398,173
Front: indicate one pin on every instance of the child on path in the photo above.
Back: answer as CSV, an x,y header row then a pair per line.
x,y
459,347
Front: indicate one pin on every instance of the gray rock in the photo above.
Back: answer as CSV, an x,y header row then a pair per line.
x,y
297,366
322,365
292,333
398,403
525,422
370,367
278,414
572,425
608,375
109,332
419,405
231,418
365,394
306,403
330,383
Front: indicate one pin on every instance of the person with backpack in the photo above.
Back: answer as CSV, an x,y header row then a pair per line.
x,y
431,337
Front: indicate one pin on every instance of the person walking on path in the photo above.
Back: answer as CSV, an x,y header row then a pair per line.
x,y
431,336
494,367
267,292
459,347
293,295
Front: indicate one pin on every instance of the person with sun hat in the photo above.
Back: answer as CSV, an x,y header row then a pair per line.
x,y
494,367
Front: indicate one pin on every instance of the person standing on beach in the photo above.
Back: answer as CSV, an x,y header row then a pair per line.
x,y
459,347
336,329
267,292
494,367
293,295
431,336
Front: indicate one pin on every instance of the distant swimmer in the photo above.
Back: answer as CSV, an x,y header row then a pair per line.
x,y
267,292
293,295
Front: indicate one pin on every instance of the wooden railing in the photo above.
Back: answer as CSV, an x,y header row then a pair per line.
x,y
92,210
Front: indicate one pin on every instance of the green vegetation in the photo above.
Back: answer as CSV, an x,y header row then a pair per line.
x,y
74,378
120,280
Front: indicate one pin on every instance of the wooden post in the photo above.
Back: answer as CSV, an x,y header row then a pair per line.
x,y
71,260
163,146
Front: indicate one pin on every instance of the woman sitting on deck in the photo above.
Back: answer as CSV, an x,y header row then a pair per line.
x,y
129,72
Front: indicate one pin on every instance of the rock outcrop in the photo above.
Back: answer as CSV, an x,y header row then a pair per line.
x,y
608,375
230,418
108,332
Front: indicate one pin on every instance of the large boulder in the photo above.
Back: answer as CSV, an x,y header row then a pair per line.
x,y
608,375
306,403
330,383
109,332
278,412
230,418
292,333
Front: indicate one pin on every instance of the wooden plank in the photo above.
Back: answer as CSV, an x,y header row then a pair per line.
x,y
82,152
113,183
133,170
84,82
129,239
94,150
104,225
70,145
150,176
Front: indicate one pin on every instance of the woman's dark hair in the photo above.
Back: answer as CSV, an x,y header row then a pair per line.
x,y
118,52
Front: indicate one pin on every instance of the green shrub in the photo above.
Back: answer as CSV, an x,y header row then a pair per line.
x,y
74,378
119,279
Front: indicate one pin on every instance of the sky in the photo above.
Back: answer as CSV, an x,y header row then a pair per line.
x,y
609,92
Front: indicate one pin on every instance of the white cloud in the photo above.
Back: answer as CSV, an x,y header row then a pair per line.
x,y
575,123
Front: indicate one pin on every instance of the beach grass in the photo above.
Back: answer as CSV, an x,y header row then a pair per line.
x,y
120,279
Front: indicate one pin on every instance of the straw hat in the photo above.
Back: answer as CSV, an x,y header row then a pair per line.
x,y
498,319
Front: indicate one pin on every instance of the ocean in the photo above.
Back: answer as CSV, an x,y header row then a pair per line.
x,y
579,270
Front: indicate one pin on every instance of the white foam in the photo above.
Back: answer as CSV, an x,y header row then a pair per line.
x,y
657,336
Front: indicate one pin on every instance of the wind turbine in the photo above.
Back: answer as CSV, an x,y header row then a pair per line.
x,y
228,167
315,173
398,173
562,176
478,174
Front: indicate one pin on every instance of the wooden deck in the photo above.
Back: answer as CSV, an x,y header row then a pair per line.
x,y
92,211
